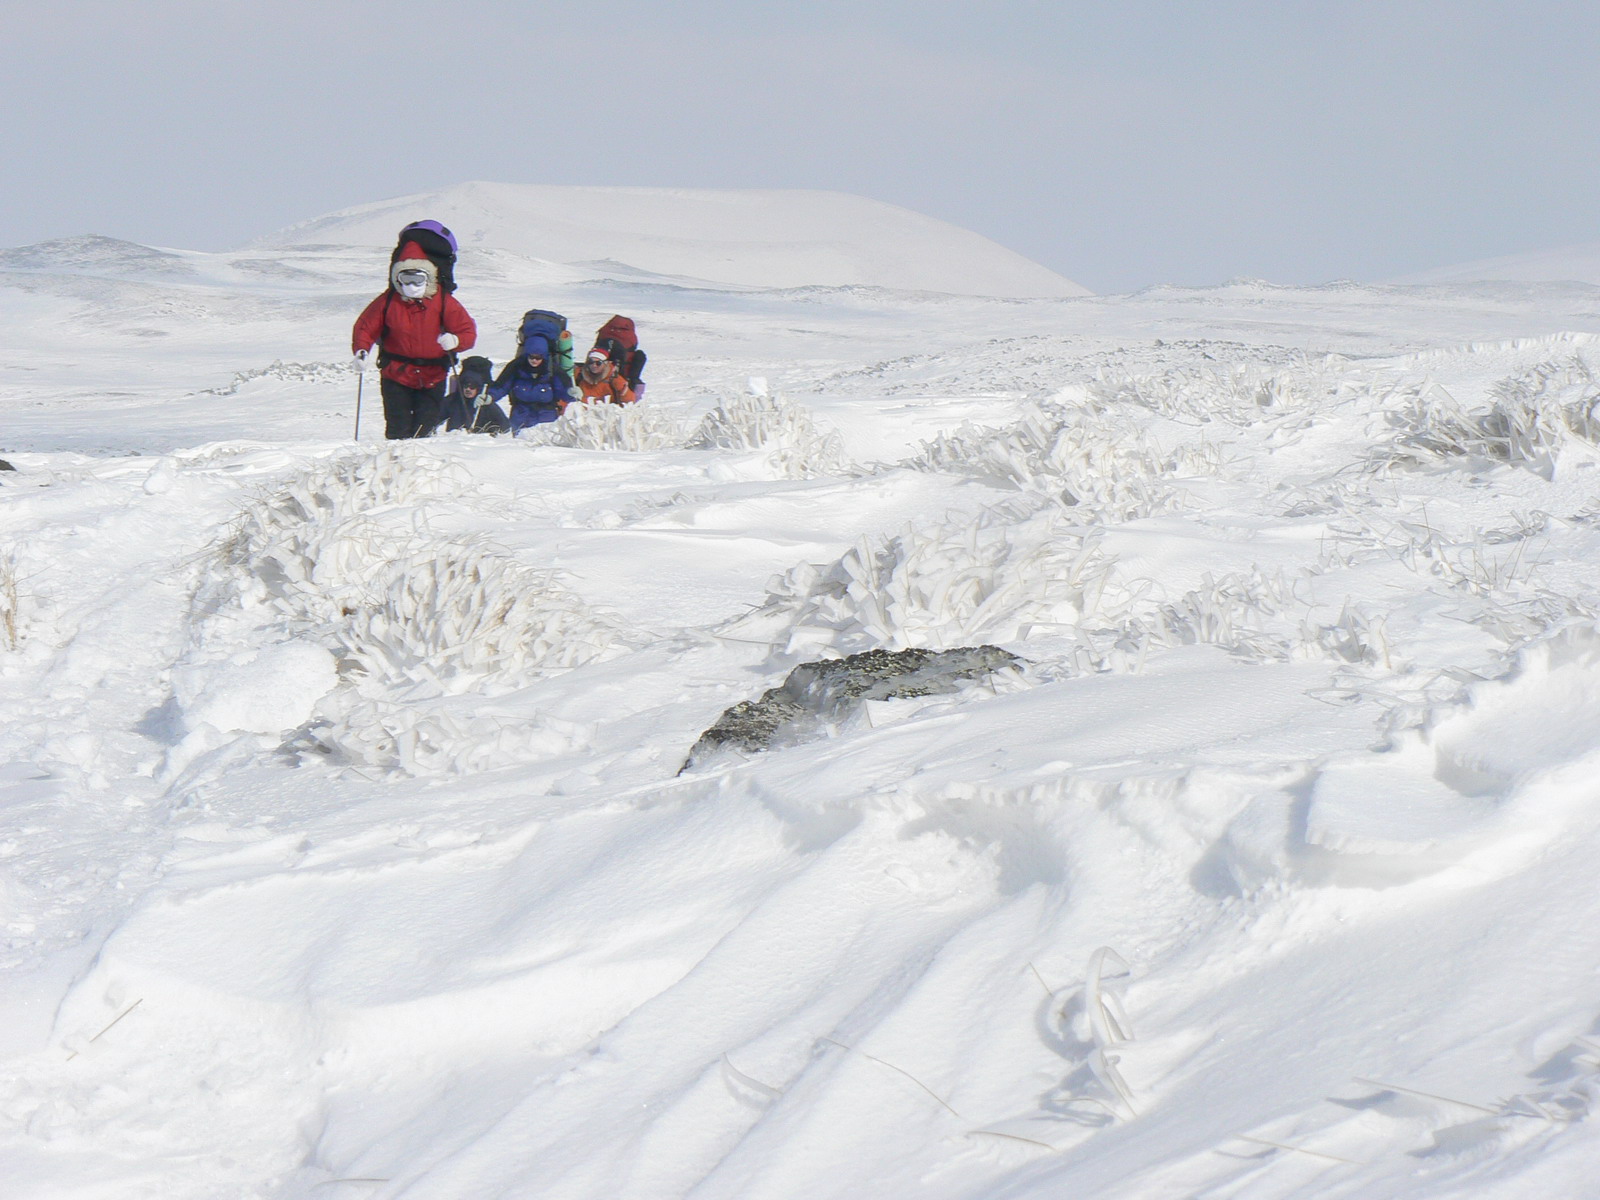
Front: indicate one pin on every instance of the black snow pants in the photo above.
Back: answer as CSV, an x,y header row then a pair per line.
x,y
410,412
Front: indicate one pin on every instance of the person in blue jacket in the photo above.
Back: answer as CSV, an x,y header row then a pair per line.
x,y
537,392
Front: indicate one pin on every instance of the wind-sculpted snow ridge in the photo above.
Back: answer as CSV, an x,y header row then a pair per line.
x,y
1476,789
1044,364
343,556
317,372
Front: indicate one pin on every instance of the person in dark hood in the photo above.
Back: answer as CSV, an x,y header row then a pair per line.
x,y
538,393
468,405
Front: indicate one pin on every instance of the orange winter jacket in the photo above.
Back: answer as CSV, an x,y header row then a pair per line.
x,y
610,388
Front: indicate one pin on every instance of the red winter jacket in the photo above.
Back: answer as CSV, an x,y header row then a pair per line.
x,y
411,328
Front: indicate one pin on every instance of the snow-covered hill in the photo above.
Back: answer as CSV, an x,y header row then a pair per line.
x,y
1575,264
774,239
347,848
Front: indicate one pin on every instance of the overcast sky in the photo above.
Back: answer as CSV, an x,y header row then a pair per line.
x,y
1119,142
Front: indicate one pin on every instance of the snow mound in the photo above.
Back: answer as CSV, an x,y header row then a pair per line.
x,y
1495,778
268,690
779,239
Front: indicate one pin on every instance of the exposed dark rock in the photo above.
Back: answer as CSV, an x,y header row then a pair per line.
x,y
5,466
828,690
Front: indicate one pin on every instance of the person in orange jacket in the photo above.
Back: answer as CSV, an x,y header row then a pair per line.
x,y
411,331
598,381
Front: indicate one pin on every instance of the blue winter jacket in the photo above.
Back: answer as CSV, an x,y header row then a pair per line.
x,y
535,398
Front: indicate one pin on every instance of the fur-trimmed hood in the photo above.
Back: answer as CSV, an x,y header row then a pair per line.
x,y
413,259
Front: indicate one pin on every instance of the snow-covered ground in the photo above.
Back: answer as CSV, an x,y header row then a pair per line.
x,y
345,849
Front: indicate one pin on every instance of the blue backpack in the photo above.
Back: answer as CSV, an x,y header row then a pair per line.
x,y
552,327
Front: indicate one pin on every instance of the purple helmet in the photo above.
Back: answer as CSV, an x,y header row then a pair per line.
x,y
432,227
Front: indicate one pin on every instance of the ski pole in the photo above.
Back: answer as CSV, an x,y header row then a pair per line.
x,y
361,378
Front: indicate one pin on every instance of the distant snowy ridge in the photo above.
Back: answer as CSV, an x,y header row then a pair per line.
x,y
749,237
1565,264
95,255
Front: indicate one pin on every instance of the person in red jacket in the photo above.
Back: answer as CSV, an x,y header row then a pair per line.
x,y
414,328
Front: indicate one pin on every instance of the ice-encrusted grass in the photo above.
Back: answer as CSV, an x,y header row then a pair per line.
x,y
1235,393
344,554
1017,573
797,446
1535,417
952,584
1079,455
404,603
635,427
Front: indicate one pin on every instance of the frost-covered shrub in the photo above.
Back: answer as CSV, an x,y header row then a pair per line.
x,y
343,553
610,427
311,545
1245,613
954,584
1077,456
1534,417
1234,393
1255,616
464,618
797,448
341,486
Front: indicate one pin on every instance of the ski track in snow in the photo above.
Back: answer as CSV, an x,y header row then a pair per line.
x,y
345,850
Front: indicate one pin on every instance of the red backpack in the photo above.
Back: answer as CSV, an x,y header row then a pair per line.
x,y
618,338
